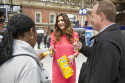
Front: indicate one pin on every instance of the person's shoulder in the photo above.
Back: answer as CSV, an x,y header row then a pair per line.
x,y
75,33
107,44
53,33
31,62
25,64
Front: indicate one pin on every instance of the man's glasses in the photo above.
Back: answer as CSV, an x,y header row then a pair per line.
x,y
2,20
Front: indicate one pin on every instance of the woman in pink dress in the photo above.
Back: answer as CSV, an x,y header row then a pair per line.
x,y
62,43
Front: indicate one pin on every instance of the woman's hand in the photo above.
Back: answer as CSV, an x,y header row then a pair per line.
x,y
51,48
40,55
70,59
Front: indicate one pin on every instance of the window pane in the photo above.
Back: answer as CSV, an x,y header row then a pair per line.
x,y
52,19
37,17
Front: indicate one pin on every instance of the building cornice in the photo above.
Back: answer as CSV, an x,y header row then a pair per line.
x,y
59,8
51,7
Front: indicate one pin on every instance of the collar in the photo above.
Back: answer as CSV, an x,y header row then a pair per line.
x,y
105,27
108,28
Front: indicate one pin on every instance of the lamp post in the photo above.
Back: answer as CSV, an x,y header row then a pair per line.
x,y
83,13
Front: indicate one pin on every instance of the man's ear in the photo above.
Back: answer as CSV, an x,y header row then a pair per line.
x,y
31,32
102,16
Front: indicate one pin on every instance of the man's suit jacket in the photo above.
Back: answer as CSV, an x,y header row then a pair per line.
x,y
106,58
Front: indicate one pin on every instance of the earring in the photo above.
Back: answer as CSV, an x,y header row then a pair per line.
x,y
31,37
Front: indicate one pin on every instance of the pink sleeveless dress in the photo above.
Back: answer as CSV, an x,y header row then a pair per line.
x,y
62,47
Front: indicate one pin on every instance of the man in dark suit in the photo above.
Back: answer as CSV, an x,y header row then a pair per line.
x,y
107,55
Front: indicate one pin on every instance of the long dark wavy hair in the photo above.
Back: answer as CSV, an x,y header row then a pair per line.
x,y
17,26
69,30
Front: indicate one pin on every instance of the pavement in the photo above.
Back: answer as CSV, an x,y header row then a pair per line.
x,y
47,62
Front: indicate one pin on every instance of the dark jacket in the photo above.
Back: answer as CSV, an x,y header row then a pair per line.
x,y
106,58
39,38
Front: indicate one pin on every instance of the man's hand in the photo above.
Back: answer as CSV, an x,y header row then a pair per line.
x,y
77,46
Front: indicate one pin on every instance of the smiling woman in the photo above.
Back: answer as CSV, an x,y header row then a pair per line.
x,y
63,27
62,43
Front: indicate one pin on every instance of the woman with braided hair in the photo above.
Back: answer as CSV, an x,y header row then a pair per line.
x,y
18,60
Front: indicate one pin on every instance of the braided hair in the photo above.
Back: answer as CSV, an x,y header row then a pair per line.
x,y
17,26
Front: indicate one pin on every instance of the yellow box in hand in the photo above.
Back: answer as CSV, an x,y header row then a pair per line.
x,y
66,69
46,53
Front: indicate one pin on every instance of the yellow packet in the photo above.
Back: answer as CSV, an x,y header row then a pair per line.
x,y
65,68
76,41
46,53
